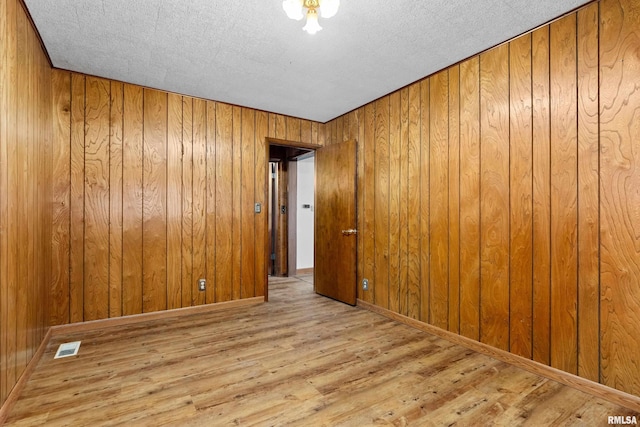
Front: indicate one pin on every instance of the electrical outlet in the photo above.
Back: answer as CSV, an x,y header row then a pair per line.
x,y
202,284
365,284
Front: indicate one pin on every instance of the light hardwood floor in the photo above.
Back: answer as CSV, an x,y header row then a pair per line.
x,y
300,359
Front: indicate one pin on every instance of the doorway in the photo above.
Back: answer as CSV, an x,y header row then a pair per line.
x,y
334,218
290,221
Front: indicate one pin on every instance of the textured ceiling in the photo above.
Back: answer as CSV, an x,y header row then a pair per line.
x,y
249,53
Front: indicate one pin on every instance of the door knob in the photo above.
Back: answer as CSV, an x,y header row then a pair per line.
x,y
349,232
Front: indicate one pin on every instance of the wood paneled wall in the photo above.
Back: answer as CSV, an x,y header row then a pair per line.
x,y
154,191
25,192
498,198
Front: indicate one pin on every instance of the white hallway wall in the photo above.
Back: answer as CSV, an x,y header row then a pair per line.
x,y
304,234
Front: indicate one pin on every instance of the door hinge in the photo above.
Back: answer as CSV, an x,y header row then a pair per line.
x,y
273,257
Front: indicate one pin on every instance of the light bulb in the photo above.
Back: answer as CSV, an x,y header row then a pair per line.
x,y
293,8
329,8
312,26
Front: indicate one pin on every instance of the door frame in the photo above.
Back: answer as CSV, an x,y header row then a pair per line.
x,y
267,249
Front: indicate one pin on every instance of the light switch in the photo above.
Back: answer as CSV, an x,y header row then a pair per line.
x,y
257,208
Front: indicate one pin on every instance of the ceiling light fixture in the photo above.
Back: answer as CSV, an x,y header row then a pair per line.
x,y
294,9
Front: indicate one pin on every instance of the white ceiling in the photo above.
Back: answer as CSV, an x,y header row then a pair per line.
x,y
249,53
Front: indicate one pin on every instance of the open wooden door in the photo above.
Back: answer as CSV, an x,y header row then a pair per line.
x,y
335,222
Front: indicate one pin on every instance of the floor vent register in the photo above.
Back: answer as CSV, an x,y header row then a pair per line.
x,y
67,349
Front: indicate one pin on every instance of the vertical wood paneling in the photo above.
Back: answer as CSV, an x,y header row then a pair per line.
x,y
115,199
32,236
327,132
588,197
154,234
4,212
425,196
354,125
25,155
9,145
39,151
305,132
280,126
187,202
261,227
44,152
404,202
45,192
564,211
520,319
381,264
439,200
514,140
541,195
96,200
26,202
332,137
36,185
394,201
470,198
360,180
76,258
314,132
272,125
236,189
199,200
224,211
174,201
25,247
59,312
293,128
178,170
454,199
132,156
8,257
494,205
620,196
134,198
39,206
414,203
346,128
36,152
322,134
368,233
248,276
211,229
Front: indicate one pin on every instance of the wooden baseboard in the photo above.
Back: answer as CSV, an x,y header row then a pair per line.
x,y
5,410
303,271
596,389
156,315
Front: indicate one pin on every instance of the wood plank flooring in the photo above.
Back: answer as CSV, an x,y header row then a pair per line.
x,y
300,359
